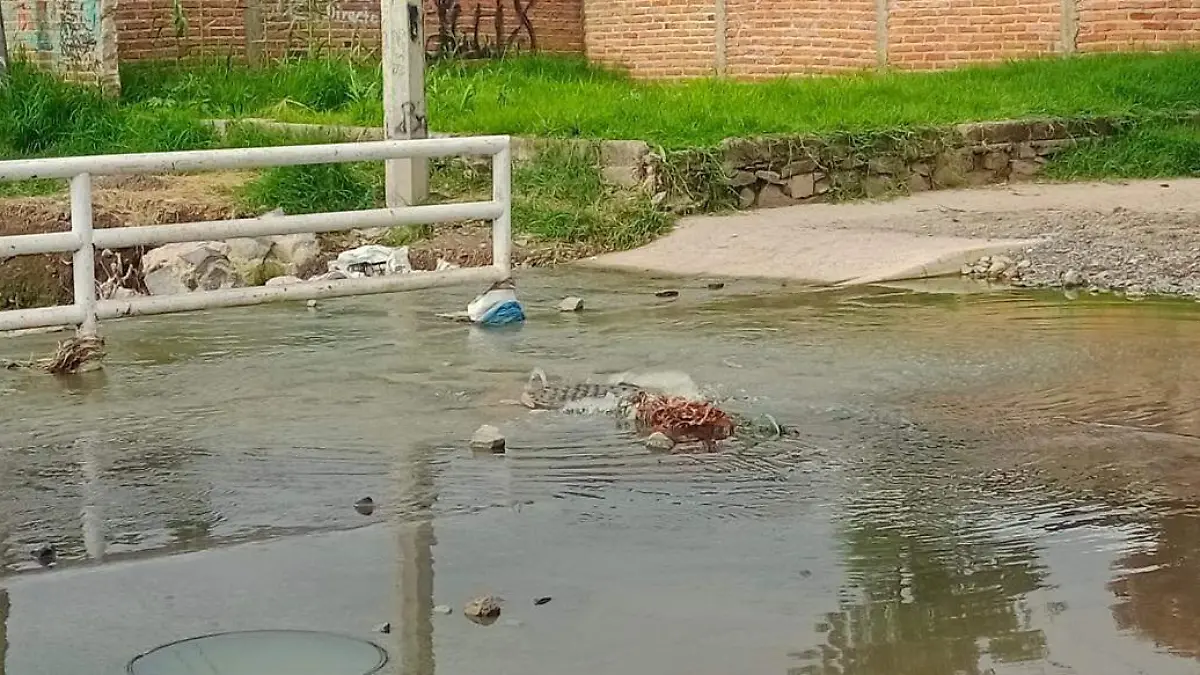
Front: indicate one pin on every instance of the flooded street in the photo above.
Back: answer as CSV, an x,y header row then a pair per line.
x,y
984,483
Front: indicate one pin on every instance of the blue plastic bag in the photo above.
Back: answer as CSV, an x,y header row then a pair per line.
x,y
497,306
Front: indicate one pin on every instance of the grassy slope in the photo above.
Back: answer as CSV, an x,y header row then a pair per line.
x,y
556,96
561,197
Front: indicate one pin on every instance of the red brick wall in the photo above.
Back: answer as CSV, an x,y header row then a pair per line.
x,y
677,38
557,24
946,33
653,38
1112,25
147,28
783,37
765,38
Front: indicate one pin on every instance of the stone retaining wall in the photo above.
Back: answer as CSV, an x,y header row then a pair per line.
x,y
785,170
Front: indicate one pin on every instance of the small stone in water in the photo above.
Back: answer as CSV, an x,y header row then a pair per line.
x,y
571,304
311,304
488,437
1072,279
659,441
716,286
486,607
542,600
46,556
443,609
667,294
384,627
365,506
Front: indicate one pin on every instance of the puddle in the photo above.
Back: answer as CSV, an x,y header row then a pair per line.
x,y
983,482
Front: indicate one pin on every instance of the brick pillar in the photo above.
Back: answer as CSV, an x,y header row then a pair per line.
x,y
75,38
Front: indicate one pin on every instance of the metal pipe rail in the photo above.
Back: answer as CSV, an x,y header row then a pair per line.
x,y
83,240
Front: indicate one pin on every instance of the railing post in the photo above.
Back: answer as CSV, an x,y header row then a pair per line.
x,y
83,264
502,194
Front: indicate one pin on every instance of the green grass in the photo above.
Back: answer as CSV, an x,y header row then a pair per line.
x,y
41,115
566,97
558,196
315,188
1148,150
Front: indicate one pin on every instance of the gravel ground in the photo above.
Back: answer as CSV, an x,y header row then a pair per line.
x,y
1135,238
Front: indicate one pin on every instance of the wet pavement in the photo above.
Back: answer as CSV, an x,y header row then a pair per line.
x,y
951,505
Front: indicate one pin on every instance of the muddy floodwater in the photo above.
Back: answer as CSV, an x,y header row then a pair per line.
x,y
981,483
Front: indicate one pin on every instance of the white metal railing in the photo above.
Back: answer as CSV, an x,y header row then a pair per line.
x,y
83,240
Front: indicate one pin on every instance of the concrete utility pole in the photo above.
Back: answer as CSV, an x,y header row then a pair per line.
x,y
3,75
406,180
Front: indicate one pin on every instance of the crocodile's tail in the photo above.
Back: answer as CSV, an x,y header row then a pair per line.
x,y
538,376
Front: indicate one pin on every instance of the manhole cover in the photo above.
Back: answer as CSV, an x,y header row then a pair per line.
x,y
263,652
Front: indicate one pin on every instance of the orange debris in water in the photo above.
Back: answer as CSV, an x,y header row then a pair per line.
x,y
682,419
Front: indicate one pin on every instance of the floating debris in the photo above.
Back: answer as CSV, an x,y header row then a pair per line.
x,y
542,600
682,420
79,354
716,286
384,627
667,294
443,609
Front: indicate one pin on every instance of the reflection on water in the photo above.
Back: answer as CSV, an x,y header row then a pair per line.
x,y
416,495
926,597
4,606
905,522
1157,595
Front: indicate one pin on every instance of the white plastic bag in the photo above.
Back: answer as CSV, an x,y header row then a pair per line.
x,y
372,260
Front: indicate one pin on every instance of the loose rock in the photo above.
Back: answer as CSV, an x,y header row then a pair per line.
x,y
1072,279
46,556
488,438
443,609
486,607
571,304
660,442
365,506
191,266
384,627
311,304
